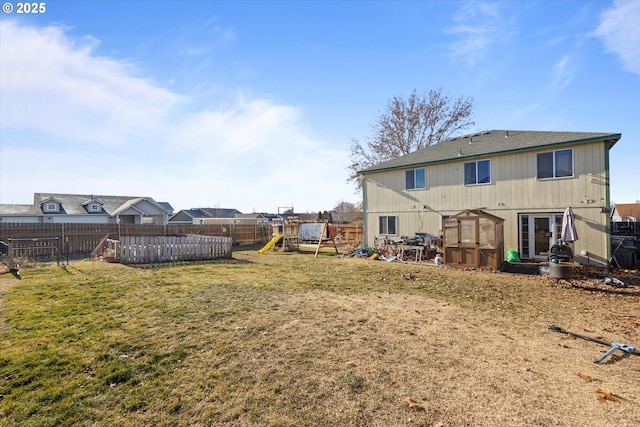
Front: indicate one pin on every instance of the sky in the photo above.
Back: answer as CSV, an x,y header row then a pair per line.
x,y
253,104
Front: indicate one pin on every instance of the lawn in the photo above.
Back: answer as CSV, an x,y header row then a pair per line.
x,y
286,339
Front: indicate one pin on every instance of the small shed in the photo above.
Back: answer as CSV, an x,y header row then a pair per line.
x,y
473,238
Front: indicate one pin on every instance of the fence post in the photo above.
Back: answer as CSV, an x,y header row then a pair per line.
x,y
10,254
234,233
58,251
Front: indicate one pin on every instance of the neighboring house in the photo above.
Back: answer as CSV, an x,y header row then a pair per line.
x,y
625,212
625,221
167,207
255,215
527,178
198,215
267,217
83,208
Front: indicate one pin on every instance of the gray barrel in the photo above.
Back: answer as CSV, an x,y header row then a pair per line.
x,y
561,271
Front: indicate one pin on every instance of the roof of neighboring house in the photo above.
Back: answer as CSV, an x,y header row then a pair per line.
x,y
74,204
220,212
166,206
628,210
194,213
128,204
203,213
491,142
252,215
20,210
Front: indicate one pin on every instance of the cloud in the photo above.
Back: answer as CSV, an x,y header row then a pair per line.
x,y
479,26
76,122
563,72
55,85
620,33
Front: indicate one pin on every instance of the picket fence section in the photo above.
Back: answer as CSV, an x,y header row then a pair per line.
x,y
149,249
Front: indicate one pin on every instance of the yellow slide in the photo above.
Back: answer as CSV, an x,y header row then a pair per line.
x,y
272,242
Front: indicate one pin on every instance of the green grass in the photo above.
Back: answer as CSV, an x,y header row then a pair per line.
x,y
246,343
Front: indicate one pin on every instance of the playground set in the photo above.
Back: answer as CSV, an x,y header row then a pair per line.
x,y
289,233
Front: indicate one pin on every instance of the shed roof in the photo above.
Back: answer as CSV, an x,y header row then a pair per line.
x,y
469,213
482,144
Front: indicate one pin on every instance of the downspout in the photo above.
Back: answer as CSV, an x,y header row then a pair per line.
x,y
365,221
608,202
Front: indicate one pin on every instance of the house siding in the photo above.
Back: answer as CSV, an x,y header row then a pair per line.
x,y
23,219
514,190
77,219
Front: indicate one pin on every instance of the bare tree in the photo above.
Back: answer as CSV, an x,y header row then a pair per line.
x,y
408,125
346,212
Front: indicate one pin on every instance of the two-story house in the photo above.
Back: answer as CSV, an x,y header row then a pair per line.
x,y
527,178
87,208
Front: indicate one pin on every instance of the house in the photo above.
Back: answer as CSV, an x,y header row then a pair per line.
x,y
84,208
625,234
527,178
262,217
199,215
625,212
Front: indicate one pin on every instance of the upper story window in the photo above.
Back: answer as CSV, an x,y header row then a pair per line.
x,y
555,164
415,179
94,207
51,207
477,172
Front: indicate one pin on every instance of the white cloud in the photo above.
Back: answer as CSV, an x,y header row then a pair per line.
x,y
563,72
479,27
620,32
55,85
76,122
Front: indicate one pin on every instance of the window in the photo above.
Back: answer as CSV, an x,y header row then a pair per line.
x,y
477,172
94,207
387,225
415,179
51,207
555,164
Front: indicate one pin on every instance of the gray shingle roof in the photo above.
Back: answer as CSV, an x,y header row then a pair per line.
x,y
20,210
491,142
73,204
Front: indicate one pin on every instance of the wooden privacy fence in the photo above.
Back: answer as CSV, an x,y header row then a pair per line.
x,y
84,238
81,239
348,234
148,249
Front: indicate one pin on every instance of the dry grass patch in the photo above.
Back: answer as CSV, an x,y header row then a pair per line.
x,y
286,339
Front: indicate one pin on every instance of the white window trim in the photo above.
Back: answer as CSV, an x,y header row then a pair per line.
x,y
51,207
414,179
553,156
387,219
477,183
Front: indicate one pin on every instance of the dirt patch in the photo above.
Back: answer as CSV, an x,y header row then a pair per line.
x,y
461,368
